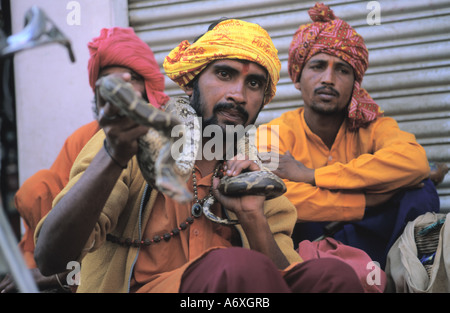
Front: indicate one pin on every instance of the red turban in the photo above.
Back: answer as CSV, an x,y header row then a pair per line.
x,y
122,47
331,35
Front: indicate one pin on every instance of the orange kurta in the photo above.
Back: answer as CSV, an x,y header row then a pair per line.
x,y
161,260
376,159
34,198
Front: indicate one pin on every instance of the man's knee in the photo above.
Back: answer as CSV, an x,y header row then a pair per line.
x,y
240,260
233,270
244,267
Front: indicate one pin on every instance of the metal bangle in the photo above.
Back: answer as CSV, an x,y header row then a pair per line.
x,y
63,287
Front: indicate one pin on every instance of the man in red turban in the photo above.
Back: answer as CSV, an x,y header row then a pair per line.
x,y
331,35
115,48
341,159
121,47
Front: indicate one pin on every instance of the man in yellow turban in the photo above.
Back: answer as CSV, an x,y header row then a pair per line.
x,y
253,44
340,158
134,239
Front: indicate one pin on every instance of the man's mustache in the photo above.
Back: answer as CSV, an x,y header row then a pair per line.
x,y
224,106
329,89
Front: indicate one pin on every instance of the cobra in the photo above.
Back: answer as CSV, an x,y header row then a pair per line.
x,y
169,174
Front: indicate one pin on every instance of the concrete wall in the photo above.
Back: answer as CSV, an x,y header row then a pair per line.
x,y
53,96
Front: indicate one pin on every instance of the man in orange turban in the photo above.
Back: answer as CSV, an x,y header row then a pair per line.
x,y
341,159
114,48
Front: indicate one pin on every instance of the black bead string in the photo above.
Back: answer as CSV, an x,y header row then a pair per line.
x,y
128,242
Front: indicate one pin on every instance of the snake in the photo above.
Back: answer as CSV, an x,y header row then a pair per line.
x,y
166,160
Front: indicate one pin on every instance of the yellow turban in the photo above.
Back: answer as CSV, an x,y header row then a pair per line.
x,y
230,39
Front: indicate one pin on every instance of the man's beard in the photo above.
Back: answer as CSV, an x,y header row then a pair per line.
x,y
198,105
227,131
329,111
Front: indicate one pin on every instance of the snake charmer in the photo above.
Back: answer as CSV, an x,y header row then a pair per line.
x,y
132,239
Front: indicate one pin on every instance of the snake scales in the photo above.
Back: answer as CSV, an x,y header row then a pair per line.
x,y
167,173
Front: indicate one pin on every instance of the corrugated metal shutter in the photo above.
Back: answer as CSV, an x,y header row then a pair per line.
x,y
409,73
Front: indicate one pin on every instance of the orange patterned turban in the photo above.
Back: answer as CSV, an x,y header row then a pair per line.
x,y
122,47
230,39
331,35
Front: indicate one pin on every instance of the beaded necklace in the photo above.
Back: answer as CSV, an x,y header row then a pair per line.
x,y
197,207
196,211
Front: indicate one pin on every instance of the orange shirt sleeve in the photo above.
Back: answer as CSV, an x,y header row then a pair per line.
x,y
71,148
34,198
390,159
377,159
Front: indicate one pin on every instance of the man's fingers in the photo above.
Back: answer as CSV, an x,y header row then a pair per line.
x,y
235,167
108,114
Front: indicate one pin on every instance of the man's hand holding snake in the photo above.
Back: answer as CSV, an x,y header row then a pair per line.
x,y
243,205
121,131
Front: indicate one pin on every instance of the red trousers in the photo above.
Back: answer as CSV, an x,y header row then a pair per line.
x,y
239,270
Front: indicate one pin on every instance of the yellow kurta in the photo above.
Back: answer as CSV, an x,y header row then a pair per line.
x,y
108,267
376,159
